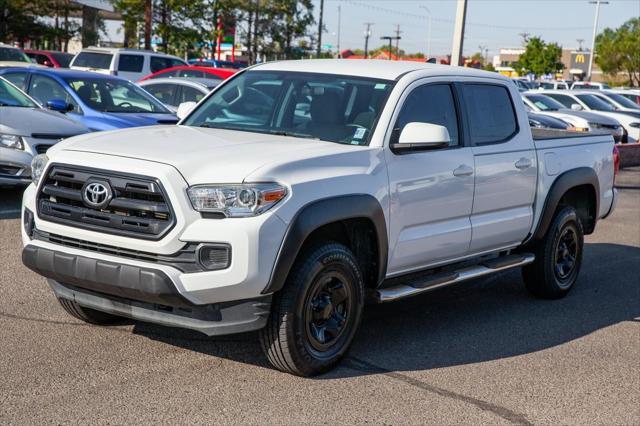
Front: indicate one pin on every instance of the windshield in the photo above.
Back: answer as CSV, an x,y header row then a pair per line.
x,y
11,54
12,96
328,107
596,103
114,95
624,102
64,59
93,60
545,103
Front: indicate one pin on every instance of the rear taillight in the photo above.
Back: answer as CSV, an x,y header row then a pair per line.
x,y
616,161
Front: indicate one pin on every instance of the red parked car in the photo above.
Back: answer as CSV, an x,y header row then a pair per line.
x,y
50,58
190,71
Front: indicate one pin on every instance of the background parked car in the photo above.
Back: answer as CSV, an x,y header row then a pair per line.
x,y
27,129
188,71
50,58
580,120
553,85
632,94
540,121
587,85
619,102
585,100
132,64
12,56
101,102
522,85
174,91
214,63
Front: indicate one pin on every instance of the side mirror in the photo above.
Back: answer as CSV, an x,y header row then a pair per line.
x,y
576,107
184,109
421,137
59,105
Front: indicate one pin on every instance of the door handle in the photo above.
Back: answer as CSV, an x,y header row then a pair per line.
x,y
463,170
523,163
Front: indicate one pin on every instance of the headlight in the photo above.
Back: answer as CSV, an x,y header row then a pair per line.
x,y
236,200
11,141
38,163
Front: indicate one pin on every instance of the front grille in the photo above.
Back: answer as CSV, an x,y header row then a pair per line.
x,y
138,206
41,149
184,259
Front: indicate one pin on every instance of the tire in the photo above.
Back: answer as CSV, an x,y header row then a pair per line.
x,y
88,315
315,316
558,257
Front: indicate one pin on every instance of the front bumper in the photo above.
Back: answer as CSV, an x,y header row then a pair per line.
x,y
144,294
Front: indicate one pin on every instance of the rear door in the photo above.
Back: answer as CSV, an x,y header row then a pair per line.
x,y
505,166
431,191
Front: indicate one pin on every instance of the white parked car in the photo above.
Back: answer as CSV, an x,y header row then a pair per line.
x,y
132,64
580,120
174,91
553,85
299,189
617,101
632,94
587,101
587,85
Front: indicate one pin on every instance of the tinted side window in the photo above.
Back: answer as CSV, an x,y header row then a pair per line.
x,y
189,94
490,113
159,63
175,62
164,92
44,89
130,63
432,104
17,78
93,60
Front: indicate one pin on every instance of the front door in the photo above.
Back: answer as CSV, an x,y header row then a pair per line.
x,y
431,191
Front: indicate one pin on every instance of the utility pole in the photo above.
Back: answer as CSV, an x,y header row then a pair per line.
x,y
390,39
398,32
428,55
593,38
482,50
339,25
458,33
367,34
319,49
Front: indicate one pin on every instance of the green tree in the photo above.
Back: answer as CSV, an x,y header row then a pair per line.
x,y
618,51
539,58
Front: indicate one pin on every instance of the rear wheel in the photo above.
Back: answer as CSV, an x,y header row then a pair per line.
x,y
558,257
315,316
88,315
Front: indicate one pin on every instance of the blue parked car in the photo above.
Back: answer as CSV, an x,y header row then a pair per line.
x,y
100,102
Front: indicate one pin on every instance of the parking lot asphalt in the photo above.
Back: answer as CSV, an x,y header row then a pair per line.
x,y
481,352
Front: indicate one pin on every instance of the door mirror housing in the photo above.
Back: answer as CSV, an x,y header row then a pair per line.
x,y
421,137
59,105
184,109
576,107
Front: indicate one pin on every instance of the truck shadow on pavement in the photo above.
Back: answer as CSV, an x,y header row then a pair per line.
x,y
477,321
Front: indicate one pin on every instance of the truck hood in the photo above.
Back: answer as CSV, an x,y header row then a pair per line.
x,y
34,121
124,120
201,155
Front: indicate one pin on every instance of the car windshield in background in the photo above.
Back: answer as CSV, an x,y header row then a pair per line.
x,y
14,55
107,95
93,60
626,103
596,103
11,96
64,59
328,107
545,103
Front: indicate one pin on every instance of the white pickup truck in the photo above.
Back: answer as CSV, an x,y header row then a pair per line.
x,y
298,190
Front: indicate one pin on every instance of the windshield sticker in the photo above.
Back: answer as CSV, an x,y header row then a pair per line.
x,y
359,134
380,86
355,142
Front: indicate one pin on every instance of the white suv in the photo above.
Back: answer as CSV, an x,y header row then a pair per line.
x,y
132,64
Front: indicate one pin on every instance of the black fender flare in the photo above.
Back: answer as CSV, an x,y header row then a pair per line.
x,y
564,182
322,212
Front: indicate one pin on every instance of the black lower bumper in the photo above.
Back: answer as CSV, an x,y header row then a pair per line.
x,y
117,279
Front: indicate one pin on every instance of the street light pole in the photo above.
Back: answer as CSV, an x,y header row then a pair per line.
x,y
593,38
390,38
428,30
367,34
319,49
458,33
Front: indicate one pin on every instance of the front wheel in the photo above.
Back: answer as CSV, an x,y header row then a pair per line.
x,y
88,315
558,257
315,316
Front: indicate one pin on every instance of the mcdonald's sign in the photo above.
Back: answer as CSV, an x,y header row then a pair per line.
x,y
580,58
579,61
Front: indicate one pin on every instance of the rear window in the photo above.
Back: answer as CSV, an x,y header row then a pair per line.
x,y
158,63
64,59
490,113
93,60
130,63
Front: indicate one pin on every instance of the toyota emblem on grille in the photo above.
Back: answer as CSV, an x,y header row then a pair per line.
x,y
96,194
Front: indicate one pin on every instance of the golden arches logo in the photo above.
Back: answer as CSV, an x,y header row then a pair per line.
x,y
580,59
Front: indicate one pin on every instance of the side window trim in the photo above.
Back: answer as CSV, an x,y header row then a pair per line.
x,y
466,112
462,137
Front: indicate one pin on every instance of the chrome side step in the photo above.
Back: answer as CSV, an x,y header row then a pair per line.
x,y
431,282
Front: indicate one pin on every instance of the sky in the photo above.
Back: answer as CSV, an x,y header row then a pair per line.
x,y
490,23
